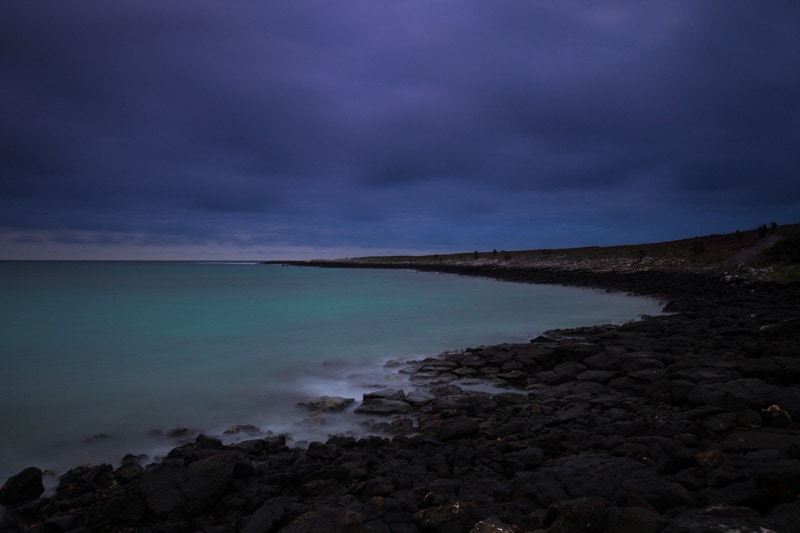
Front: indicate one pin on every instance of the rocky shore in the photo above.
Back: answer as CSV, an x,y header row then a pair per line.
x,y
683,422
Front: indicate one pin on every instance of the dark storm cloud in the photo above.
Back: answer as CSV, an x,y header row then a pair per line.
x,y
418,123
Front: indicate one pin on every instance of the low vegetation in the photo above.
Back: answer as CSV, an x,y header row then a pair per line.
x,y
769,252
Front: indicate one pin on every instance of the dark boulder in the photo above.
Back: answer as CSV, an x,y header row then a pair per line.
x,y
206,480
159,485
582,514
22,487
448,518
634,520
384,402
460,427
328,521
327,403
170,486
734,395
528,457
268,515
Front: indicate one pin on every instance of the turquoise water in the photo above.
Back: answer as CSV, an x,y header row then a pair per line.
x,y
121,348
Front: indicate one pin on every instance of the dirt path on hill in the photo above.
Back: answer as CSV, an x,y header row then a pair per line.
x,y
748,255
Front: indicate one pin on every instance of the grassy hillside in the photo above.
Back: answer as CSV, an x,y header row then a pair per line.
x,y
769,252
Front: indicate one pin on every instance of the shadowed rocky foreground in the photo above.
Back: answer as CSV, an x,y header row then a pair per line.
x,y
676,423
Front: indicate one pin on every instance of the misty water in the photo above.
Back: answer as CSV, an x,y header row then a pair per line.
x,y
97,355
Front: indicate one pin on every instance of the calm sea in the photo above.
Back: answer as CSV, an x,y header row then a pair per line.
x,y
96,355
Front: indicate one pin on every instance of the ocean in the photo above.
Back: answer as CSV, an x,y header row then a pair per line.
x,y
100,359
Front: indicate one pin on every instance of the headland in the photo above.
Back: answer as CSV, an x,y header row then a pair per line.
x,y
681,422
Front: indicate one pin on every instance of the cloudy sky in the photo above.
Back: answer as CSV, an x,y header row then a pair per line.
x,y
276,130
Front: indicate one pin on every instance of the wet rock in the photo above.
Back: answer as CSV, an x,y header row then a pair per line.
x,y
511,398
571,369
576,350
634,520
570,412
582,514
748,419
492,525
691,371
458,428
779,479
418,398
513,376
22,487
786,329
85,480
788,370
179,433
249,429
319,450
777,417
649,375
745,440
268,515
384,402
116,506
708,459
171,486
380,406
472,360
701,521
734,395
636,361
528,457
61,522
600,376
740,493
159,485
720,423
327,403
450,518
328,521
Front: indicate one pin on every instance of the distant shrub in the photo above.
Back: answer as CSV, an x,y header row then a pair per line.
x,y
787,249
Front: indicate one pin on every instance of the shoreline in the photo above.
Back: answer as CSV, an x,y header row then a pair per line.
x,y
55,438
663,424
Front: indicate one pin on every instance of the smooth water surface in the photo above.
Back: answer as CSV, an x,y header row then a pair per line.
x,y
95,355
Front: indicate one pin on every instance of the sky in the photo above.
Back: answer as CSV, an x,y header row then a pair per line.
x,y
165,129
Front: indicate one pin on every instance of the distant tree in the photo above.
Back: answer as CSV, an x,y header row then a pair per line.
x,y
738,235
773,225
494,252
475,254
762,230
